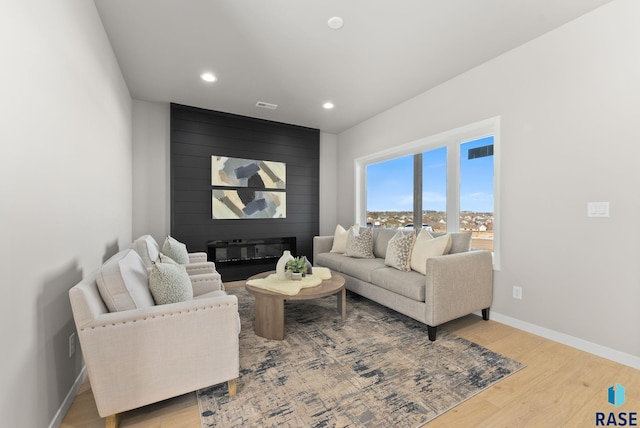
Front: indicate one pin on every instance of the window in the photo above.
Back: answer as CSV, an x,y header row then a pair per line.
x,y
447,182
476,191
434,189
390,193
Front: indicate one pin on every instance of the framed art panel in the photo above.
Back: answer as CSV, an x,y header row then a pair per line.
x,y
242,204
256,174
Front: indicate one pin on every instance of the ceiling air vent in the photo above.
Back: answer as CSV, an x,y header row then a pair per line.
x,y
266,105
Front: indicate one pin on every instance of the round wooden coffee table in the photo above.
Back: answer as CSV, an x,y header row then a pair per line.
x,y
269,322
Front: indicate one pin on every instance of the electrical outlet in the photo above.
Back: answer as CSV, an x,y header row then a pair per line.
x,y
517,292
72,344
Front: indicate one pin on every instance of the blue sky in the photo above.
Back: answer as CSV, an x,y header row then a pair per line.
x,y
390,184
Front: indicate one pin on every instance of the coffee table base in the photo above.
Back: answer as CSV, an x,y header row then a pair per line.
x,y
269,312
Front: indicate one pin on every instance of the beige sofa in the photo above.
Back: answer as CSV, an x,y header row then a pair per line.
x,y
136,352
455,284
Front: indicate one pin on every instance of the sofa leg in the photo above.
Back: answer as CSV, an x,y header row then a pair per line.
x,y
432,332
232,384
485,314
112,421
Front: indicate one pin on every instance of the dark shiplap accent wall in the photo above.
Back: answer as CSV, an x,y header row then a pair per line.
x,y
197,134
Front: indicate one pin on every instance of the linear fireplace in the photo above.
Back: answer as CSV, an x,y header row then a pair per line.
x,y
238,259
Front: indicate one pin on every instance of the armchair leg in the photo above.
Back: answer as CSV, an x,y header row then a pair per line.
x,y
432,331
485,314
232,384
112,421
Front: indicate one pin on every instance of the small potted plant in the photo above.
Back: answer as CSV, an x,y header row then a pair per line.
x,y
297,267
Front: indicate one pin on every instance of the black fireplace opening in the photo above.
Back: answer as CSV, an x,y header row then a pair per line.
x,y
238,259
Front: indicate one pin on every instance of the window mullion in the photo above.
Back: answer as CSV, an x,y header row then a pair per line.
x,y
453,187
417,191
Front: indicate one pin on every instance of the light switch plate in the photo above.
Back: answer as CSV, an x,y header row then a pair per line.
x,y
598,209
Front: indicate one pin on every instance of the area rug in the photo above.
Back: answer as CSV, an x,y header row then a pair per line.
x,y
377,368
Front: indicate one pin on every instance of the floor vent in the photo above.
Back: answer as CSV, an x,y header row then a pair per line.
x,y
266,105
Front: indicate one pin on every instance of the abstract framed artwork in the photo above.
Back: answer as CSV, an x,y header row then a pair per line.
x,y
244,203
246,188
257,174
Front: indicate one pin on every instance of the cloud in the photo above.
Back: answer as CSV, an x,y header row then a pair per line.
x,y
432,197
477,197
395,202
442,165
478,202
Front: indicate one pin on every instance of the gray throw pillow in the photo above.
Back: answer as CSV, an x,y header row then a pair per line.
x,y
175,250
170,283
360,243
460,242
399,251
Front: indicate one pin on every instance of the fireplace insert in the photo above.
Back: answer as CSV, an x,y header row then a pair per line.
x,y
238,259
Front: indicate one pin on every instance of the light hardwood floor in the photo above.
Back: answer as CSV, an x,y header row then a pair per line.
x,y
560,387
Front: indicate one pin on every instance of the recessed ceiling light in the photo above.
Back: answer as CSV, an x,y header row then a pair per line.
x,y
328,105
335,23
208,77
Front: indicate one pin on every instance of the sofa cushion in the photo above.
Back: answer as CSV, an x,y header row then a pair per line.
x,y
331,260
361,268
460,241
176,250
426,247
122,282
381,238
339,240
399,251
360,243
170,283
215,293
407,284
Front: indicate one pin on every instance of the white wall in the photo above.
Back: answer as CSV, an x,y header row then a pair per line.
x,y
151,173
65,190
569,103
328,182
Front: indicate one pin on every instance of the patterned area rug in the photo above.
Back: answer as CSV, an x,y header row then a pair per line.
x,y
375,369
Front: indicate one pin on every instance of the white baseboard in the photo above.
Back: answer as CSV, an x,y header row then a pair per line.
x,y
64,407
565,339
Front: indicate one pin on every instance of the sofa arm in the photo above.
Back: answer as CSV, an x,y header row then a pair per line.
x,y
206,283
199,257
142,356
200,268
321,244
457,285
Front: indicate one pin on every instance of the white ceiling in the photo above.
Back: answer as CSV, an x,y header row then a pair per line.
x,y
283,52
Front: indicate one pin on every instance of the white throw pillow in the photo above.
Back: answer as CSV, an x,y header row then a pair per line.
x,y
399,251
122,282
176,250
426,247
340,240
170,283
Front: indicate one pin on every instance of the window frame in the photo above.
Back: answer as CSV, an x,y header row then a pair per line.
x,y
452,140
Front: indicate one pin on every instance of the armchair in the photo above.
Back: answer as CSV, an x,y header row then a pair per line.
x,y
143,353
148,249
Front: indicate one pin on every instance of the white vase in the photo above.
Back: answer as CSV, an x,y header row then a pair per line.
x,y
282,263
